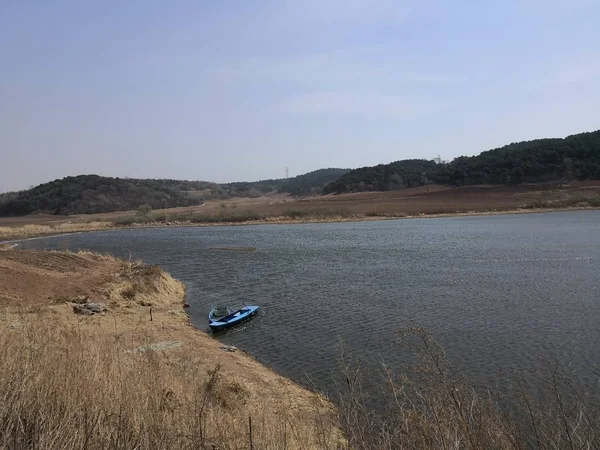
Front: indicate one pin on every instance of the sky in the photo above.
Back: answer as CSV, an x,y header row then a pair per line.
x,y
236,90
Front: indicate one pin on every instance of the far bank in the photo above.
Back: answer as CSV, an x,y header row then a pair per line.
x,y
432,201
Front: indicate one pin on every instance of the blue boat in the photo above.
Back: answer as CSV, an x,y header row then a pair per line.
x,y
217,321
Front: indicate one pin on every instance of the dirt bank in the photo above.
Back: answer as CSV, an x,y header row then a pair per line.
x,y
433,201
141,362
8,234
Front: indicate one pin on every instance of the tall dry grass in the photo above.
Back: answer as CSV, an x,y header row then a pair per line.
x,y
121,381
64,389
114,382
437,409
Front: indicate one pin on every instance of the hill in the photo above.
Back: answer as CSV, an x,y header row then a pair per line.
x,y
301,185
384,177
250,188
89,194
575,157
312,182
541,160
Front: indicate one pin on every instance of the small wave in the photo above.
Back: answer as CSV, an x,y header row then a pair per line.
x,y
510,260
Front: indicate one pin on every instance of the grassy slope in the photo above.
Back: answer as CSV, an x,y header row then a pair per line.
x,y
122,380
70,381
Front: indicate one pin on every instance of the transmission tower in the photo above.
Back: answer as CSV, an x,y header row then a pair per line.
x,y
287,172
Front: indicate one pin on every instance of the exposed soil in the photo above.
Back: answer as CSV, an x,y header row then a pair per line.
x,y
145,313
35,278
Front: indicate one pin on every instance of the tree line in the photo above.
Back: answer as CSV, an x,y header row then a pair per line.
x,y
541,160
90,194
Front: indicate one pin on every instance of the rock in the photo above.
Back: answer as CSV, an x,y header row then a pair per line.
x,y
87,309
81,309
228,348
95,307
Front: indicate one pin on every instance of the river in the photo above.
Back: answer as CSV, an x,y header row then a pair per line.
x,y
498,292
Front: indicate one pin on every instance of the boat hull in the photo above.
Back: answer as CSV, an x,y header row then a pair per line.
x,y
233,319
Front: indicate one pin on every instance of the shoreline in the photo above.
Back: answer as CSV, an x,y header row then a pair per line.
x,y
12,234
177,292
143,313
143,361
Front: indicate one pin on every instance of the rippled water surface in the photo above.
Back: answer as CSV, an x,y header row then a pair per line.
x,y
499,292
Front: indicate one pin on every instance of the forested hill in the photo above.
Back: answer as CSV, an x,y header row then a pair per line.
x,y
541,160
384,177
87,194
312,182
301,185
574,157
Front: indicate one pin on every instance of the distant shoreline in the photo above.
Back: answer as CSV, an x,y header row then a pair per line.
x,y
31,231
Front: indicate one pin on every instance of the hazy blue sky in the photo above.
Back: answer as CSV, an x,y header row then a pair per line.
x,y
236,90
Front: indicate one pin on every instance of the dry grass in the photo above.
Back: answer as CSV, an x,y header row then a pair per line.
x,y
140,376
15,230
62,389
414,202
437,409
